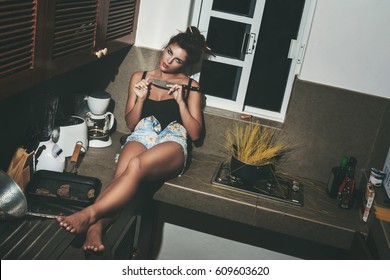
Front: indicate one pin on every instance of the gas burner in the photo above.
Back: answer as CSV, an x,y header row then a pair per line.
x,y
278,188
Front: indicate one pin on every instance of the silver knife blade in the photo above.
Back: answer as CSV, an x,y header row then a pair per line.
x,y
165,85
160,83
48,216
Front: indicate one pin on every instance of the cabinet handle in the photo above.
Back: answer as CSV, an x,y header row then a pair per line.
x,y
99,53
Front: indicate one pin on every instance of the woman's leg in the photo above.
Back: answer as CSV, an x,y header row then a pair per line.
x,y
129,151
162,161
93,240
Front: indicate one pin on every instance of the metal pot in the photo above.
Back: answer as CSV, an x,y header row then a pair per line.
x,y
13,203
250,173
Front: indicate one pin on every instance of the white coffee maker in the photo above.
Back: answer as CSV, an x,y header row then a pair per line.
x,y
99,121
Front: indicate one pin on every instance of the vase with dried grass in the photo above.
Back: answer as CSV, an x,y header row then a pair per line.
x,y
254,151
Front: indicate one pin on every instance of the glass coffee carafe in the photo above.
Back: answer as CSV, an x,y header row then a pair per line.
x,y
99,128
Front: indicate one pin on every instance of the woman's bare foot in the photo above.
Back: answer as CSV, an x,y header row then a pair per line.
x,y
93,242
78,222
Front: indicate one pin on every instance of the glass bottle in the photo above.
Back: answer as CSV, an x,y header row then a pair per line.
x,y
337,176
347,188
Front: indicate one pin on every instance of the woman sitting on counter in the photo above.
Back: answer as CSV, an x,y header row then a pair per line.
x,y
162,119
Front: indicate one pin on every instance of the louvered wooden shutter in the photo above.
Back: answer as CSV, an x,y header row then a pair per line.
x,y
120,19
17,36
75,23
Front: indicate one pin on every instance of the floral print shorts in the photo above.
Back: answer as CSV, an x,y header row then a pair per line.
x,y
148,132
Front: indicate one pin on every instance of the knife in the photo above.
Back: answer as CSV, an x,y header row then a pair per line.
x,y
48,216
165,85
71,167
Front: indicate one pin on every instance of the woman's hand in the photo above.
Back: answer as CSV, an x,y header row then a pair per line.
x,y
177,91
141,89
190,110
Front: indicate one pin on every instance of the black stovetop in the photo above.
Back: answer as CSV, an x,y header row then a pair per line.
x,y
277,188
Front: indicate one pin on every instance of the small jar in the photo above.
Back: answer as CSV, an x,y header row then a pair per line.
x,y
376,177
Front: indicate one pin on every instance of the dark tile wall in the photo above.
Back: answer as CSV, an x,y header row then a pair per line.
x,y
331,122
325,123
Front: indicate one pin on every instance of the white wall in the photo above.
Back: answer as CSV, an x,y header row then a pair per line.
x,y
348,47
180,243
159,20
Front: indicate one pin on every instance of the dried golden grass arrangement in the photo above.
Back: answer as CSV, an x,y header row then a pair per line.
x,y
255,144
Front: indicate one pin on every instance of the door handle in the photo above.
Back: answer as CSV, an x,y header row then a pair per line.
x,y
248,43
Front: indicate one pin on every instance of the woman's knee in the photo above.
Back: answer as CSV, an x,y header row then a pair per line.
x,y
134,165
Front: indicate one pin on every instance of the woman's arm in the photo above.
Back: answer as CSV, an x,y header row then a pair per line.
x,y
137,94
190,112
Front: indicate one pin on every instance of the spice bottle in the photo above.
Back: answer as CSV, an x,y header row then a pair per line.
x,y
367,201
336,177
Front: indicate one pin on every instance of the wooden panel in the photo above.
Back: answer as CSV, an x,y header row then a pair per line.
x,y
74,26
121,18
17,36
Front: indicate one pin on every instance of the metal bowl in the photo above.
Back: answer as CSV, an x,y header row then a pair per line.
x,y
13,203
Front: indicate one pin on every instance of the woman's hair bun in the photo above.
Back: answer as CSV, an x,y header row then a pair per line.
x,y
193,42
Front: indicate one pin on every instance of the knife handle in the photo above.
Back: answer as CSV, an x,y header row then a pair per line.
x,y
191,88
76,153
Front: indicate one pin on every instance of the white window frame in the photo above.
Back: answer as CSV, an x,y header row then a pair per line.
x,y
296,54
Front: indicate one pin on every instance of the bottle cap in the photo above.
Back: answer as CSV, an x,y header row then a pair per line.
x,y
344,161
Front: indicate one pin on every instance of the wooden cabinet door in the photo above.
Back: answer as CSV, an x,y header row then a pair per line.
x,y
119,30
70,34
85,30
40,39
19,59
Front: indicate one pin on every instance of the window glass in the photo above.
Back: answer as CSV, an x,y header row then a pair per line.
x,y
240,7
271,66
226,37
219,79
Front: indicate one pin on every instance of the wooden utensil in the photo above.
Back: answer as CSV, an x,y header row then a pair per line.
x,y
71,167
